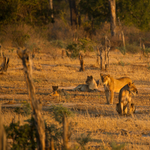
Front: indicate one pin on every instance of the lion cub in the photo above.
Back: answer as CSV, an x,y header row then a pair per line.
x,y
125,97
112,85
90,85
125,108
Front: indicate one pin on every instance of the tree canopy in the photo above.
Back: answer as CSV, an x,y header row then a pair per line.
x,y
37,12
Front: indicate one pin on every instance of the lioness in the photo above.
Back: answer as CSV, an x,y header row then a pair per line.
x,y
125,96
125,108
112,85
90,85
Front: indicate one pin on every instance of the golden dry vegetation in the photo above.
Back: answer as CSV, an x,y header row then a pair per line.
x,y
91,113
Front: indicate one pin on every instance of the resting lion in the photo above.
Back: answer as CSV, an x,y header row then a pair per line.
x,y
112,85
125,97
90,85
125,108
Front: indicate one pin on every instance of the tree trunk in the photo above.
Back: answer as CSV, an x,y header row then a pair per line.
x,y
3,143
112,4
51,8
38,119
65,134
101,58
73,13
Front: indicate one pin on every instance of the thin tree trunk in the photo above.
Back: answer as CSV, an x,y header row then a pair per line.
x,y
81,62
73,13
2,134
65,134
51,8
112,17
101,58
26,61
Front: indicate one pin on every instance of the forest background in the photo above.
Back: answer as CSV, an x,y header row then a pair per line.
x,y
28,22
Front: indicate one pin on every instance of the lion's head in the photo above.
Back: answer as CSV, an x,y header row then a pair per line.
x,y
132,88
89,79
105,78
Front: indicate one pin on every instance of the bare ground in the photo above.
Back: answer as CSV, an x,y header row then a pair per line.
x,y
92,114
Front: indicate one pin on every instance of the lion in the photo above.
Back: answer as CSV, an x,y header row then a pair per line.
x,y
125,108
125,97
90,85
112,85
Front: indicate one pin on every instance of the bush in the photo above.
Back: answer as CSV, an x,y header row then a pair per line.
x,y
132,48
23,136
19,38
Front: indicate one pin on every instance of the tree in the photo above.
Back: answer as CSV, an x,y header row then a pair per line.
x,y
73,13
133,12
112,4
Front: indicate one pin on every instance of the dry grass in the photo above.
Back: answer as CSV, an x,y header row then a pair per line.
x,y
92,115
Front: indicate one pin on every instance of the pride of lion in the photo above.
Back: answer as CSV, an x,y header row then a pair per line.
x,y
124,87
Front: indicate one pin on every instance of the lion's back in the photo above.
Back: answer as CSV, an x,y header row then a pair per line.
x,y
121,82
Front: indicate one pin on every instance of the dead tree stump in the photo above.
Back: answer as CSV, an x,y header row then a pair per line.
x,y
101,57
4,65
63,53
81,62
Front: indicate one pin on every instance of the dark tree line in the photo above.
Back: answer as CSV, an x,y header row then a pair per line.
x,y
40,12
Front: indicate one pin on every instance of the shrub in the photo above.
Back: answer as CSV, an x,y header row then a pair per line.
x,y
23,136
132,48
19,37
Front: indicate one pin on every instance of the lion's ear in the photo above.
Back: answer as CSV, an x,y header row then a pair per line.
x,y
108,75
101,74
91,77
129,84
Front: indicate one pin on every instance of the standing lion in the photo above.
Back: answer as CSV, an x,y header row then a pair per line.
x,y
125,98
112,85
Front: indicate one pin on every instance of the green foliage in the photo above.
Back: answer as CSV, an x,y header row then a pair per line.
x,y
20,38
122,49
121,63
23,136
27,11
74,49
59,111
147,50
83,140
132,48
25,109
134,12
58,43
55,133
97,10
116,146
83,44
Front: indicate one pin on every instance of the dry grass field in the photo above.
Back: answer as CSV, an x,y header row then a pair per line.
x,y
91,113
